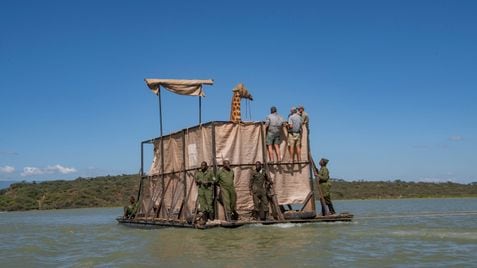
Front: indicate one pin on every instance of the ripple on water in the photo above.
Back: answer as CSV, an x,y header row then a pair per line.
x,y
91,237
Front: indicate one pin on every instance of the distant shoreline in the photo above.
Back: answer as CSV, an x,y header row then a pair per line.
x,y
114,191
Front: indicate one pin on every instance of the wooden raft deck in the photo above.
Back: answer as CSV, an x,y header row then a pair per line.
x,y
160,223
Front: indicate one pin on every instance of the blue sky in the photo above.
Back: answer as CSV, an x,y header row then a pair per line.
x,y
390,86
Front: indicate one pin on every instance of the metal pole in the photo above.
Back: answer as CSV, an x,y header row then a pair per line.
x,y
142,160
141,173
200,110
214,163
162,140
184,165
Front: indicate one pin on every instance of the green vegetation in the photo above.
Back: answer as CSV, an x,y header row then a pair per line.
x,y
105,191
399,189
114,191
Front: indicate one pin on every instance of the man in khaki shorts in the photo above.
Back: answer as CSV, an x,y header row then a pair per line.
x,y
294,135
274,125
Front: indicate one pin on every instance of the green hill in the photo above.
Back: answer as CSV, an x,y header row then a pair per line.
x,y
114,191
399,189
108,191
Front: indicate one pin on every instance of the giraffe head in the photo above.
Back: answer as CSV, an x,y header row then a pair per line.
x,y
239,92
242,92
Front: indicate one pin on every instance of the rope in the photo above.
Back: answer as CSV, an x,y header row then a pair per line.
x,y
250,111
430,214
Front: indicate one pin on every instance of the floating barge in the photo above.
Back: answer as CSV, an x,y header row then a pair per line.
x,y
159,223
168,193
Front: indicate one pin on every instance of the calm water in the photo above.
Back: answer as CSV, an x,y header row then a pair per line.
x,y
396,233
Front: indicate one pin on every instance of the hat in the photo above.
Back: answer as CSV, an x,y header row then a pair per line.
x,y
325,160
293,109
301,107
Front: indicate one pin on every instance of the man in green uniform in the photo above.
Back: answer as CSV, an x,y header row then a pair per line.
x,y
225,179
258,185
205,180
130,211
325,185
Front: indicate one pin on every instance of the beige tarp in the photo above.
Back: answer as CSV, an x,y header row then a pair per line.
x,y
242,145
182,87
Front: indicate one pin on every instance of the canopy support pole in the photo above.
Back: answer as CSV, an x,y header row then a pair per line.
x,y
162,140
200,110
214,163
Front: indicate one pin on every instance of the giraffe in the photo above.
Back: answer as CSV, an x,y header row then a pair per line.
x,y
239,92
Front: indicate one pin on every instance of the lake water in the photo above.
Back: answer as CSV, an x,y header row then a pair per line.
x,y
385,233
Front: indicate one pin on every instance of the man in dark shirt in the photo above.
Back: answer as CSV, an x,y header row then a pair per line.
x,y
258,185
204,180
325,185
225,179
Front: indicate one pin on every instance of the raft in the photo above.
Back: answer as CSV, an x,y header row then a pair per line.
x,y
168,193
161,223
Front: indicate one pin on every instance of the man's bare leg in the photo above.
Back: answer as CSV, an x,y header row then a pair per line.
x,y
277,152
291,151
298,153
270,152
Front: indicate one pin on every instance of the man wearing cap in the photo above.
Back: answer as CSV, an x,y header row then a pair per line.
x,y
205,180
294,135
273,124
225,179
325,185
304,116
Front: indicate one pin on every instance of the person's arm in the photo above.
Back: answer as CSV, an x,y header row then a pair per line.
x,y
250,182
197,178
268,182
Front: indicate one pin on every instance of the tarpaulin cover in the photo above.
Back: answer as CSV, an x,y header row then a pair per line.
x,y
182,87
241,144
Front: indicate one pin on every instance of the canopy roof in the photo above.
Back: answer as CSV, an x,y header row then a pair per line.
x,y
182,87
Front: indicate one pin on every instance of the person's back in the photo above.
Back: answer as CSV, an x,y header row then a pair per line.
x,y
294,135
295,122
274,122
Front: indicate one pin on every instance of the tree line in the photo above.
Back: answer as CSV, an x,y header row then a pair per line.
x,y
114,191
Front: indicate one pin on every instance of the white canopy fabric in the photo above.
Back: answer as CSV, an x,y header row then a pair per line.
x,y
182,87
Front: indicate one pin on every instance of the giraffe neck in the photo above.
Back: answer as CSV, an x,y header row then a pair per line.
x,y
235,110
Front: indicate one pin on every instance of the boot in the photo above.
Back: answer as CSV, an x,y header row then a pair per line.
x,y
265,216
235,215
261,214
255,215
228,216
205,216
323,210
211,216
199,219
332,210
